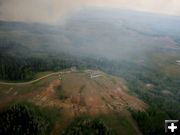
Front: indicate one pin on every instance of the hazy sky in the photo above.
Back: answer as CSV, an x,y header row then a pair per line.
x,y
53,11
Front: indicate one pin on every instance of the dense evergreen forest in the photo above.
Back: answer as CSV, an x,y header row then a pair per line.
x,y
20,63
26,119
88,126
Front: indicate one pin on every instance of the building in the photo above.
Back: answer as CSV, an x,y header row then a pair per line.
x,y
94,74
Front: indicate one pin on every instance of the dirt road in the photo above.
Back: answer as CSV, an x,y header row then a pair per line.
x,y
33,81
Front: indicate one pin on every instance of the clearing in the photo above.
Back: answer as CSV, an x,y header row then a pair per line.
x,y
77,93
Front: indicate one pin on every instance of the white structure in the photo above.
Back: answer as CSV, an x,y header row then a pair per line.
x,y
178,62
95,74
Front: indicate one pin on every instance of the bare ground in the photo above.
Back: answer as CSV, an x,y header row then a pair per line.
x,y
85,95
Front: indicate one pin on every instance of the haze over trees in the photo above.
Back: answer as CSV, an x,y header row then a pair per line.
x,y
143,51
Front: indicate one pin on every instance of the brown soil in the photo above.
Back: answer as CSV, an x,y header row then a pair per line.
x,y
85,95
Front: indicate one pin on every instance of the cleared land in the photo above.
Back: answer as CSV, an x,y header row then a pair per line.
x,y
76,94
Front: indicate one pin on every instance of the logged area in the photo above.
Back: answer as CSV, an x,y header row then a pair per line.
x,y
101,96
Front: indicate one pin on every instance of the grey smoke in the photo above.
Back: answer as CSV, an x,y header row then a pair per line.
x,y
54,11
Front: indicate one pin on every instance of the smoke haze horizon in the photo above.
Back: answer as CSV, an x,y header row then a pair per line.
x,y
55,11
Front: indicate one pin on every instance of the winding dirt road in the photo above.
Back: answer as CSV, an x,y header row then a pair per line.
x,y
33,81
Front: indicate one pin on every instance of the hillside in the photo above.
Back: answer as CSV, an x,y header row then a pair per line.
x,y
91,93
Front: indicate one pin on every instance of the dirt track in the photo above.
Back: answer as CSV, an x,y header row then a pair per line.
x,y
84,95
33,81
